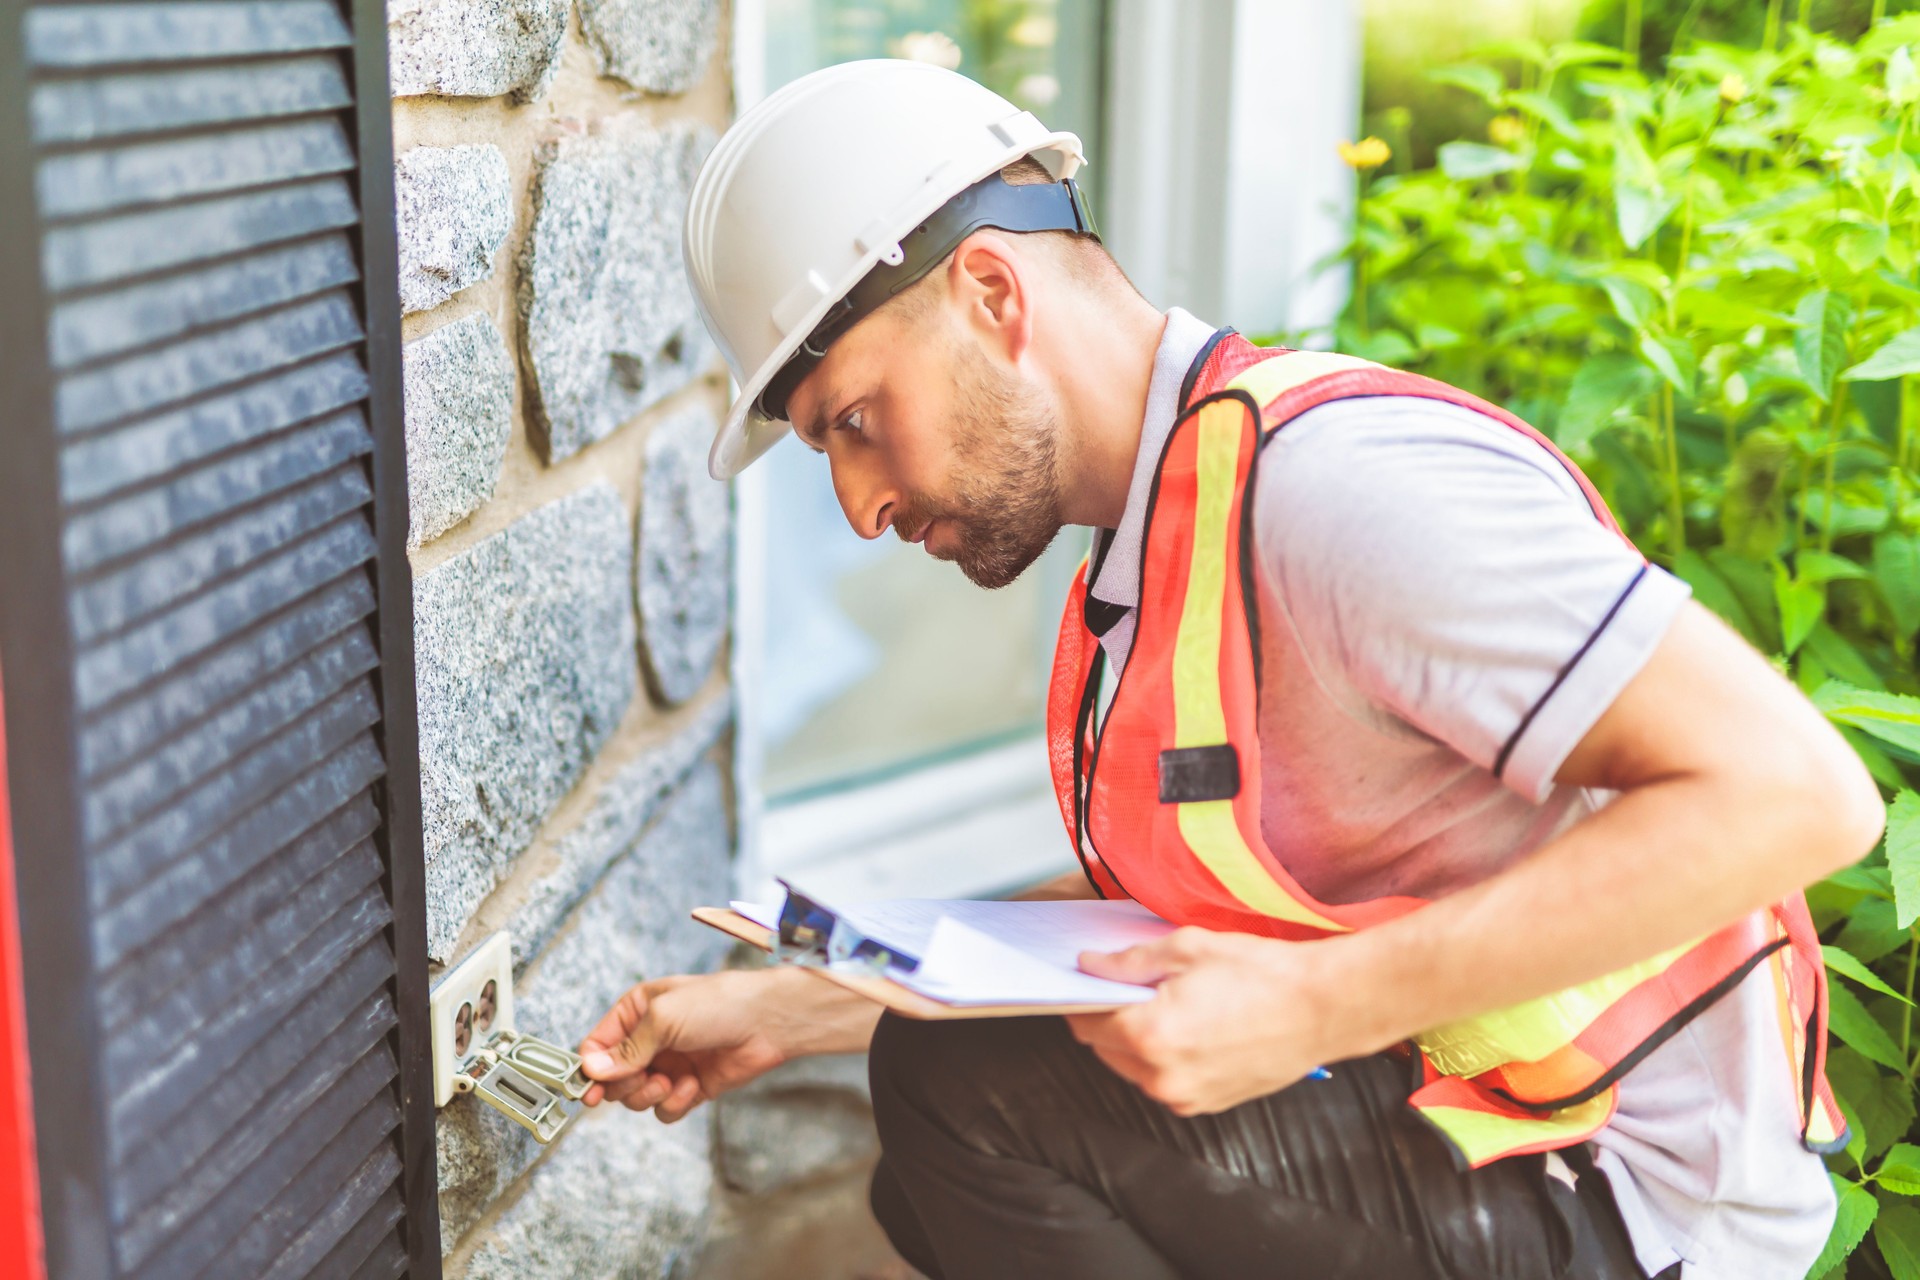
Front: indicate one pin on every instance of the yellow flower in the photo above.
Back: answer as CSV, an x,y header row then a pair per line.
x,y
1733,88
1368,153
1506,130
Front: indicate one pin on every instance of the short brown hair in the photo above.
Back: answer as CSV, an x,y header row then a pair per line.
x,y
1085,257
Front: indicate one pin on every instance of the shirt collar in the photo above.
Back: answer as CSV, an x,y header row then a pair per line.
x,y
1117,550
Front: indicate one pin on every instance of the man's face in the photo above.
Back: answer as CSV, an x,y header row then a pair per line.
x,y
928,435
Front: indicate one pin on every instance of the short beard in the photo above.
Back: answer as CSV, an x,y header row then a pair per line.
x,y
1005,508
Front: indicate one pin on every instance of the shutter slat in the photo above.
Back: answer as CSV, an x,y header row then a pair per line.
x,y
141,519
105,34
157,1028
154,1155
333,1183
204,812
144,979
372,1248
387,1262
130,659
196,1184
207,362
103,250
112,601
361,1215
80,183
319,801
106,324
332,1136
148,450
180,764
104,107
165,1083
114,737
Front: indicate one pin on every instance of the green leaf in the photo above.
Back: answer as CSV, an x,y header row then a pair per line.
x,y
1895,358
1871,932
1878,1104
1641,209
1853,1026
1893,718
1465,161
1903,856
1842,963
1483,82
1801,605
1897,1232
1632,301
1900,1171
1581,53
1903,83
1712,590
1546,109
1840,657
1604,385
1753,515
1896,569
1820,338
1857,1211
1823,566
1862,878
1673,359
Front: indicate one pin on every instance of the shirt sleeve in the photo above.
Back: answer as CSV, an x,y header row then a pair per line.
x,y
1443,571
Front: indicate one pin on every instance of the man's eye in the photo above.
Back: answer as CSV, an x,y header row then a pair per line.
x,y
851,422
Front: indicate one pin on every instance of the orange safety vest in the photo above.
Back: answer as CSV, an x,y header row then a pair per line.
x,y
1163,803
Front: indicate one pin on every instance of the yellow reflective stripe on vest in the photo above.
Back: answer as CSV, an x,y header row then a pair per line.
x,y
1487,1135
1209,826
1534,1029
1272,378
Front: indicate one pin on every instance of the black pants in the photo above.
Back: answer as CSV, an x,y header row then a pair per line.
x,y
1010,1150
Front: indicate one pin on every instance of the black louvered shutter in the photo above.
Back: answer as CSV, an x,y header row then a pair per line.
x,y
206,643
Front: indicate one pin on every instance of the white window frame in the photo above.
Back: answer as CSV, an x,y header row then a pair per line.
x,y
1237,253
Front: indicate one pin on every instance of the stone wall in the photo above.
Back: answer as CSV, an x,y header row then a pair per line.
x,y
570,559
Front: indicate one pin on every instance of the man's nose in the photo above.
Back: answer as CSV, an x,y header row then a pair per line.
x,y
866,497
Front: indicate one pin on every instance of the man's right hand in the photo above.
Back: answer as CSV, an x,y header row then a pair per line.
x,y
673,1043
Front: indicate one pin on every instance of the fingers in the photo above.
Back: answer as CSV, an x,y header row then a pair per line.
x,y
684,1097
1147,963
634,1030
597,1056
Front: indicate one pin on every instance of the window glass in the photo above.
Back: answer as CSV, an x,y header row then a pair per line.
x,y
878,657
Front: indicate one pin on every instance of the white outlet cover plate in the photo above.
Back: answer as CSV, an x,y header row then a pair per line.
x,y
462,984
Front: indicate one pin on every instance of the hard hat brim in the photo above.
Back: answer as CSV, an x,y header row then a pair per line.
x,y
747,433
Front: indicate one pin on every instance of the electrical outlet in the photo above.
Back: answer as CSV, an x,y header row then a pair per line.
x,y
472,1003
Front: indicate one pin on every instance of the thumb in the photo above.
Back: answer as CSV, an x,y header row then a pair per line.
x,y
626,1039
1144,964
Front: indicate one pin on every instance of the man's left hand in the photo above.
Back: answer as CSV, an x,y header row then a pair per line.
x,y
1234,1017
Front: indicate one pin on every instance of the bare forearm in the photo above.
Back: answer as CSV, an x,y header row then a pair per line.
x,y
1661,866
812,1015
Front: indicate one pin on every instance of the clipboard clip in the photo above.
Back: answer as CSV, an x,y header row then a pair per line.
x,y
815,936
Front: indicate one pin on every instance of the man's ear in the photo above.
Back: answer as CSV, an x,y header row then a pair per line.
x,y
990,282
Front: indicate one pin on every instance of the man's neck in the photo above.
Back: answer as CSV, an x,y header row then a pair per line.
x,y
1101,358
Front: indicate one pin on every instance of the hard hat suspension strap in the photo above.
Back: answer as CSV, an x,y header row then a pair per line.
x,y
990,202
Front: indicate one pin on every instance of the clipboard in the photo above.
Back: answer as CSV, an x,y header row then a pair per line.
x,y
885,991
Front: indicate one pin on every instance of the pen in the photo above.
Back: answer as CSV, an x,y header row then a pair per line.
x,y
1319,1073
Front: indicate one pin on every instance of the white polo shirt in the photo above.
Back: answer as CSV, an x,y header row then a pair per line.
x,y
1441,621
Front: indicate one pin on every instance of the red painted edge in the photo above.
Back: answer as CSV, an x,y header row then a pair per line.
x,y
22,1246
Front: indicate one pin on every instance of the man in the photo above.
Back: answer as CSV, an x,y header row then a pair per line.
x,y
1434,754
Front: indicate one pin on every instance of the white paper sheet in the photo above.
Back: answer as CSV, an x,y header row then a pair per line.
x,y
999,952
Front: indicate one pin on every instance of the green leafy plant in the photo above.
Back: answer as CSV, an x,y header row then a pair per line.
x,y
1700,281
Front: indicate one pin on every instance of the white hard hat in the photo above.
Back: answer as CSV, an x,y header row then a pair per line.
x,y
823,180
